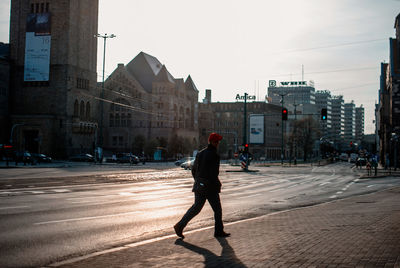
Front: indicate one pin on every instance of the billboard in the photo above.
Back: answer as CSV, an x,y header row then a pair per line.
x,y
256,124
37,47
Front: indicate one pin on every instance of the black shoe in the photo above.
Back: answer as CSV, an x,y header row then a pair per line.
x,y
178,230
222,234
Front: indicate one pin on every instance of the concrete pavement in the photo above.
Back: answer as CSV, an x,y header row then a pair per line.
x,y
361,231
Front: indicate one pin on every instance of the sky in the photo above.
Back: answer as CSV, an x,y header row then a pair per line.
x,y
235,46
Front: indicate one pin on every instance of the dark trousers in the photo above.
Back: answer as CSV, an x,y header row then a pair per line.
x,y
199,201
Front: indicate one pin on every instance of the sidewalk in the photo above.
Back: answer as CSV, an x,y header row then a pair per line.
x,y
362,231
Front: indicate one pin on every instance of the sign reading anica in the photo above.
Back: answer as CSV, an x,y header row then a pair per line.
x,y
238,97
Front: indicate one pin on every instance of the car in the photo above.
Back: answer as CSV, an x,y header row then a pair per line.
x,y
127,158
343,157
82,158
183,160
353,157
188,164
24,157
361,161
41,158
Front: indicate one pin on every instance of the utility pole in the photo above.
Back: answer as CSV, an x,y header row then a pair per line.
x,y
282,101
245,129
295,132
105,36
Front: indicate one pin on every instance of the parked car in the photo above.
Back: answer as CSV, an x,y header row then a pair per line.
x,y
343,157
82,158
188,164
353,157
127,158
361,161
183,160
24,157
41,158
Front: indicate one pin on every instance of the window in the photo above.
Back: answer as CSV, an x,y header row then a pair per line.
x,y
82,110
88,110
76,108
119,115
40,7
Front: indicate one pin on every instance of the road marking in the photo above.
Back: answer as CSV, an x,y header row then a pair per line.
x,y
89,218
333,196
7,192
61,190
370,185
35,192
15,207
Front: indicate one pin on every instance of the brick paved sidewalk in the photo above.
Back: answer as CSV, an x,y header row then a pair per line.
x,y
361,231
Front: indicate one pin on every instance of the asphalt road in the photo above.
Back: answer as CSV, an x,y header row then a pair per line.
x,y
68,217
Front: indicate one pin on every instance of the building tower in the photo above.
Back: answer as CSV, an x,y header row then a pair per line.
x,y
349,122
53,55
359,124
337,116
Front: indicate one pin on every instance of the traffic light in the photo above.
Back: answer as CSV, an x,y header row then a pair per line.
x,y
284,113
246,148
324,113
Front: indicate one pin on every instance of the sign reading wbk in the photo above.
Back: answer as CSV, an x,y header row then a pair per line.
x,y
272,83
238,97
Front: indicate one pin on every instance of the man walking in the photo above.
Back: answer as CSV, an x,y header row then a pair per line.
x,y
206,187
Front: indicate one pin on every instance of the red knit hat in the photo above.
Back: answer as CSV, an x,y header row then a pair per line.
x,y
214,137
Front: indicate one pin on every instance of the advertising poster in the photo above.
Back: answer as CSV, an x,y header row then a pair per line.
x,y
256,128
37,47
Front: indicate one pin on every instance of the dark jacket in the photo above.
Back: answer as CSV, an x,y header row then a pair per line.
x,y
206,168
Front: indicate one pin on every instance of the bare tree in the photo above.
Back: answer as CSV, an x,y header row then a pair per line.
x,y
305,132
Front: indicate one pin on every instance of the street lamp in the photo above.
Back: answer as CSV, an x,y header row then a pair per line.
x,y
105,36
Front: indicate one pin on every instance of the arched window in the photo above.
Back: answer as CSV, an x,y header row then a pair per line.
x,y
76,108
82,110
87,110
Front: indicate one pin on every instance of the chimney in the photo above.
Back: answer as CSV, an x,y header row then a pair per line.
x,y
207,99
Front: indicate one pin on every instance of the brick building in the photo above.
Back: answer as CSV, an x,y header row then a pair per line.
x,y
143,98
53,54
227,118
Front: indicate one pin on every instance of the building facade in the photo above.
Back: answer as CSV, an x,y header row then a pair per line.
x,y
144,99
323,100
359,124
227,118
337,116
53,105
4,92
349,122
388,108
293,92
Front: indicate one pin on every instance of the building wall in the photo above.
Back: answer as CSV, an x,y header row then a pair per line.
x,y
43,112
349,122
165,110
337,119
228,119
359,123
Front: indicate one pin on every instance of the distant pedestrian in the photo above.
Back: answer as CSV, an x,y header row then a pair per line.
x,y
368,166
207,186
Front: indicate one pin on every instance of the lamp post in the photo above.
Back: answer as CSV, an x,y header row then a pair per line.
x,y
105,36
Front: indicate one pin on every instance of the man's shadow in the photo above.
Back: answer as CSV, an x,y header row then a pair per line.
x,y
227,258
